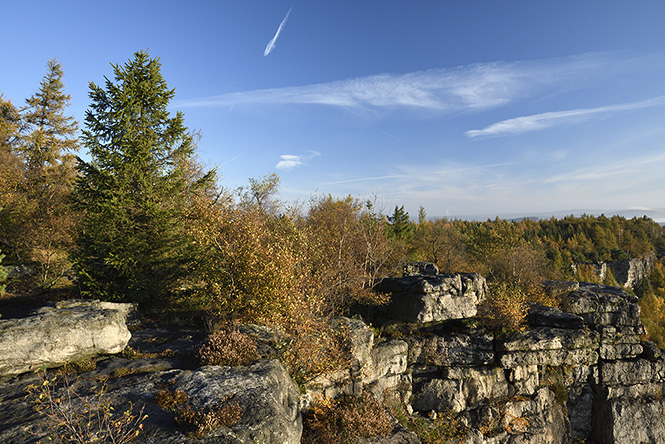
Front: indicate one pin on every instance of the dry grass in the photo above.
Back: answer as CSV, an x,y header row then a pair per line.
x,y
228,347
70,417
344,420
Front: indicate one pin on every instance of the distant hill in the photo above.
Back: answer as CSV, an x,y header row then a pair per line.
x,y
657,214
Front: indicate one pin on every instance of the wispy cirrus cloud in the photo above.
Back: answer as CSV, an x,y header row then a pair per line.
x,y
471,87
290,161
547,120
271,43
630,167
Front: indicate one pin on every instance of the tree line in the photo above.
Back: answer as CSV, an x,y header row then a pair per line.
x,y
144,221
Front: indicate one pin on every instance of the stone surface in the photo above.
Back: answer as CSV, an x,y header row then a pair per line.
x,y
420,268
67,332
548,346
264,390
584,376
459,389
540,315
428,298
452,349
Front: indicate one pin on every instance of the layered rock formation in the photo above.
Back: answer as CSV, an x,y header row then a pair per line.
x,y
580,375
572,376
627,273
69,331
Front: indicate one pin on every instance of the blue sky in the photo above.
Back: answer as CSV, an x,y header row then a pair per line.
x,y
465,107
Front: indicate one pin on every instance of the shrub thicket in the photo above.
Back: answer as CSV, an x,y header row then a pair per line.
x,y
344,420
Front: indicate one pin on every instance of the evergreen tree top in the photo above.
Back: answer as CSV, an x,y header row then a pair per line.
x,y
48,132
129,123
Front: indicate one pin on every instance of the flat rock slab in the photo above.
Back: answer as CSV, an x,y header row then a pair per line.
x,y
52,336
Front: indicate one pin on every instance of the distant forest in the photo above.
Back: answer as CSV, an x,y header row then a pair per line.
x,y
144,221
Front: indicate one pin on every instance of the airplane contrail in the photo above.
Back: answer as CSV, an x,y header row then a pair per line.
x,y
271,43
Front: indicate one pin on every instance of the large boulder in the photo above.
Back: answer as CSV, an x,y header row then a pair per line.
x,y
68,331
428,298
269,400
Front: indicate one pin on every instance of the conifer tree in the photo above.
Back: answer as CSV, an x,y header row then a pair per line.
x,y
136,189
49,133
400,225
38,164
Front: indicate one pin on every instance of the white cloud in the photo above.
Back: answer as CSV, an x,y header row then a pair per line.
x,y
546,120
271,43
290,161
472,87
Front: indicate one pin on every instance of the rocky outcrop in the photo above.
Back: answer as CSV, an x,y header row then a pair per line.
x,y
433,297
580,374
627,273
68,331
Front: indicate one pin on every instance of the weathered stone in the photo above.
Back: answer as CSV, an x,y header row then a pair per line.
x,y
459,389
541,316
638,371
420,269
539,420
548,346
388,358
629,272
53,336
524,379
359,335
433,298
452,349
630,414
650,351
602,305
265,392
329,385
397,436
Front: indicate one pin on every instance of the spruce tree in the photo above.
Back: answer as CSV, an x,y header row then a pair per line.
x,y
399,224
137,187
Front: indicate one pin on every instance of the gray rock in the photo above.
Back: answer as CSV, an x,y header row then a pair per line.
x,y
540,315
420,269
265,392
459,389
53,336
398,436
601,305
650,351
548,346
452,349
630,414
433,297
386,367
360,336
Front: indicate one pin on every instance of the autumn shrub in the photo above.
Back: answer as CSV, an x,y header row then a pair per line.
x,y
312,347
653,317
283,270
202,422
348,249
507,304
228,347
71,417
3,273
344,420
199,422
170,399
